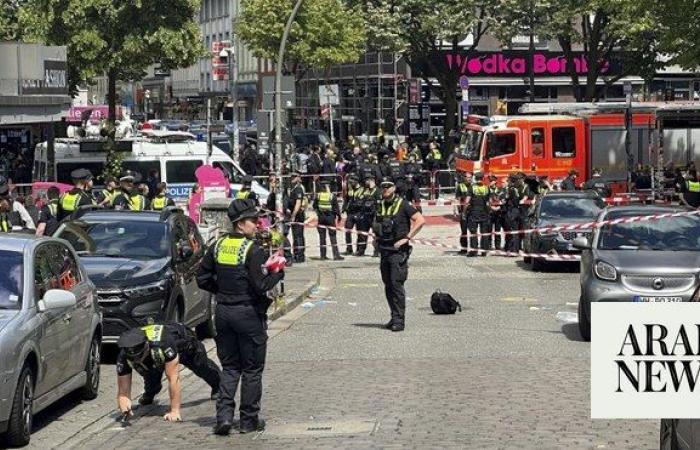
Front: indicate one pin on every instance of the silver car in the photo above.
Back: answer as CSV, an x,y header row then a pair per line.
x,y
50,330
642,261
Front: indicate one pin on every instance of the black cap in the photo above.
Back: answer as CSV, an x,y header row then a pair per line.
x,y
247,179
132,338
387,182
478,176
242,209
81,175
370,176
127,176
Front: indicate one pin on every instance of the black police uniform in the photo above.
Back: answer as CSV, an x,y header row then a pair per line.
x,y
353,207
10,220
327,209
48,214
568,184
232,269
412,176
298,193
513,219
393,223
370,199
598,185
498,219
166,342
479,218
244,194
398,175
691,193
462,192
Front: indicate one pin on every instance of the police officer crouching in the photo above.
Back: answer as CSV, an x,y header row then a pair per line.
x,y
233,270
154,349
397,222
72,200
328,211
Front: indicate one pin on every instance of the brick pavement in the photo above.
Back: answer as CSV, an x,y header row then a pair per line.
x,y
503,374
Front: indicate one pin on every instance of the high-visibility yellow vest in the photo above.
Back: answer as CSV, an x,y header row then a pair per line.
x,y
137,202
480,191
324,201
242,195
109,195
463,188
390,210
232,251
69,202
53,207
5,226
437,156
154,333
693,186
159,202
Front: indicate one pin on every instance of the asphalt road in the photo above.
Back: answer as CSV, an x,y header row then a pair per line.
x,y
504,373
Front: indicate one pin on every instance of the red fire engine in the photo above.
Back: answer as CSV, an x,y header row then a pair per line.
x,y
552,139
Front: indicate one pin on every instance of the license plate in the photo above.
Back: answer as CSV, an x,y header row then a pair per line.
x,y
645,299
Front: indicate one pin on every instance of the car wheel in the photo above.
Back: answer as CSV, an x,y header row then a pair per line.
x,y
19,427
92,369
584,322
207,329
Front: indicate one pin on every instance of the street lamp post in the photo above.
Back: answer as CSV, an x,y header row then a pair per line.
x,y
278,102
230,53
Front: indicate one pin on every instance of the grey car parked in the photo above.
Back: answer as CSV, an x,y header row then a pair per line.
x,y
50,330
643,261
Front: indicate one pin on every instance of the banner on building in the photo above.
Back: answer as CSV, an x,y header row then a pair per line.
x,y
54,81
645,360
517,63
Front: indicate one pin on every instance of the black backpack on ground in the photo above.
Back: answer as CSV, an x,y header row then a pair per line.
x,y
443,303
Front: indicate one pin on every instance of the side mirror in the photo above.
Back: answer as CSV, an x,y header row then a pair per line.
x,y
186,251
56,299
581,243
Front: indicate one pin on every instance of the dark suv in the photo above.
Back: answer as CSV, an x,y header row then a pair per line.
x,y
143,265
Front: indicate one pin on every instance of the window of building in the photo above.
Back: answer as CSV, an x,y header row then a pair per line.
x,y
500,144
537,140
206,43
564,142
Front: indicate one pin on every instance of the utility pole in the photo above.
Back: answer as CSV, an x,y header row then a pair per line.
x,y
230,53
532,52
278,102
628,132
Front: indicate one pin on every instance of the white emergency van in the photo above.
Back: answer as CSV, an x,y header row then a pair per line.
x,y
175,155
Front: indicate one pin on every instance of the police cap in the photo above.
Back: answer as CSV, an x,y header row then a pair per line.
x,y
127,176
247,179
132,338
478,176
370,176
387,182
81,175
242,209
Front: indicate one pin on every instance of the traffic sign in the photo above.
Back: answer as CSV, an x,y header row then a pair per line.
x,y
328,94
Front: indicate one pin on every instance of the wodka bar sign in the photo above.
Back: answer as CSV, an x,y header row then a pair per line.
x,y
514,63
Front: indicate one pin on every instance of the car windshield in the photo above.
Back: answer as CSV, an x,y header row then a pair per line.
x,y
11,277
672,234
470,144
571,208
138,240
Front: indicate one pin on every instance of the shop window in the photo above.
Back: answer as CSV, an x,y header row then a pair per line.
x,y
500,144
537,141
564,142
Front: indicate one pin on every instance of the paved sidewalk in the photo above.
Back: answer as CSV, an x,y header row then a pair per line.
x,y
72,421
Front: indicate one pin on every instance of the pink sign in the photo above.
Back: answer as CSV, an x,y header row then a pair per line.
x,y
213,183
99,112
517,63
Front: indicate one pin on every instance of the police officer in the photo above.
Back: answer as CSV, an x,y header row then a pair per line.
x,y
543,185
598,184
398,175
72,200
296,206
9,220
233,270
370,198
397,223
512,218
48,214
461,194
412,171
161,200
569,183
434,160
154,349
328,212
127,190
497,211
478,211
105,198
25,218
690,191
246,190
352,206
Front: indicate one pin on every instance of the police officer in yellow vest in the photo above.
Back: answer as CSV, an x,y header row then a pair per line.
x,y
690,194
353,207
397,222
328,212
233,270
154,349
129,197
48,222
478,215
72,200
105,198
246,191
161,200
9,220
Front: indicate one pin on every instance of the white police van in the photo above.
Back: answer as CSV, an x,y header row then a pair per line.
x,y
174,155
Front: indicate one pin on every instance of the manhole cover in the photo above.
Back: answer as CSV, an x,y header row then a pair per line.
x,y
319,428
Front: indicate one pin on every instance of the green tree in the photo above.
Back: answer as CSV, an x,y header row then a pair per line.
x,y
604,30
324,33
117,38
679,31
9,29
422,28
